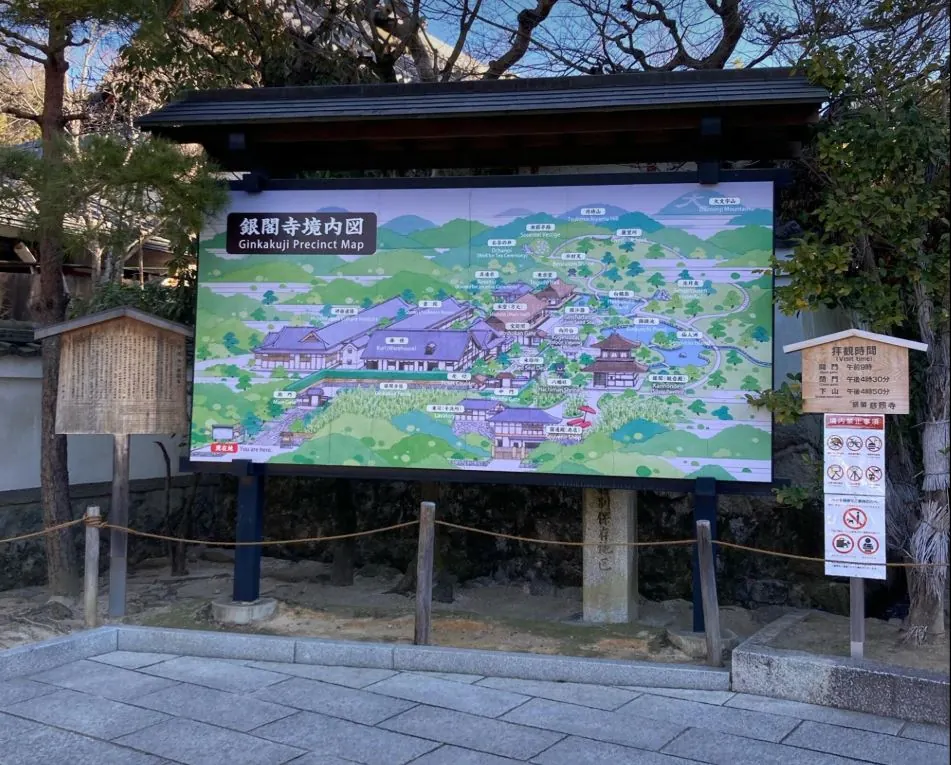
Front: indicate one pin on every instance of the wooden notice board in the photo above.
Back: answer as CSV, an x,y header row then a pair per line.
x,y
855,372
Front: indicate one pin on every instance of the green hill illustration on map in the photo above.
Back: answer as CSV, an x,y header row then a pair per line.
x,y
611,330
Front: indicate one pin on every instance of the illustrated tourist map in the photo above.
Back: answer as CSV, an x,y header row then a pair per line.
x,y
612,330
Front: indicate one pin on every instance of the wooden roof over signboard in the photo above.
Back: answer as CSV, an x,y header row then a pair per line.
x,y
859,333
110,315
752,114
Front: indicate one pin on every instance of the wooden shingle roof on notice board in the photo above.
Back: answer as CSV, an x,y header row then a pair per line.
x,y
912,345
110,315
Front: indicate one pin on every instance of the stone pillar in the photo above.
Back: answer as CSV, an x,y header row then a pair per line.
x,y
610,572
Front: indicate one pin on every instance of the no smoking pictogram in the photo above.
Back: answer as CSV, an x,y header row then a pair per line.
x,y
868,544
842,543
835,472
855,518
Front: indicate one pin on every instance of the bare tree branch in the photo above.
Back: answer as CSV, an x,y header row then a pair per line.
x,y
528,20
23,40
21,114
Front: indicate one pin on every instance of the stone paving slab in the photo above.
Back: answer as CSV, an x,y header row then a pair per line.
x,y
933,734
574,751
758,725
704,697
102,680
131,659
196,743
207,705
59,747
798,709
715,748
613,727
456,677
214,673
351,677
338,738
334,700
596,696
871,747
474,699
473,732
453,755
12,727
20,689
83,713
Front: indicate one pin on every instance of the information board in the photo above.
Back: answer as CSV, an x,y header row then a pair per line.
x,y
854,454
610,330
855,375
855,536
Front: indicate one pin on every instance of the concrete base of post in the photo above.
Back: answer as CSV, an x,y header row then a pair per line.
x,y
610,569
232,612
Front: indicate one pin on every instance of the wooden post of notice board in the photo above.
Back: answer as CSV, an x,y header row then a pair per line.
x,y
855,378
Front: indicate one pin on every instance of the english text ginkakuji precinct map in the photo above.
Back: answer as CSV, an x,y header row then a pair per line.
x,y
609,330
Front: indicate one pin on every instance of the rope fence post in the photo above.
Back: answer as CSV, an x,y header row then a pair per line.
x,y
91,579
424,573
708,594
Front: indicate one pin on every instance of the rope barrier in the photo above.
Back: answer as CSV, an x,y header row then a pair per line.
x,y
44,532
500,535
810,559
98,522
263,543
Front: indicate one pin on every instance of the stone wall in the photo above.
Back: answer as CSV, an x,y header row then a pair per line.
x,y
24,563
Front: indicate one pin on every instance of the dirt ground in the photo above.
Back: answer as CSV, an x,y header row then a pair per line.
x,y
482,615
829,634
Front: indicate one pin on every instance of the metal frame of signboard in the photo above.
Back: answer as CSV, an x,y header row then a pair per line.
x,y
255,183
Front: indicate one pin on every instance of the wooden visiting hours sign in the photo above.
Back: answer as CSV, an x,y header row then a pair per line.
x,y
855,371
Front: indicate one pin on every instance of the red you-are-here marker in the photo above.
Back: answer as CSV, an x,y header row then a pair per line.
x,y
855,518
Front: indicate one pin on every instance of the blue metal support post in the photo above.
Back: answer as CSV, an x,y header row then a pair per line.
x,y
249,528
704,509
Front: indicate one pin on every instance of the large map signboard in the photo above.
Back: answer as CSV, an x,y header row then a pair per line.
x,y
609,330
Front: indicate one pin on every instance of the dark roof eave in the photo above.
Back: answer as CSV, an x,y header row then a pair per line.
x,y
528,97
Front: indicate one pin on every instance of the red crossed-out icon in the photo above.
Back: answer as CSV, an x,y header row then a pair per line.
x,y
842,543
855,518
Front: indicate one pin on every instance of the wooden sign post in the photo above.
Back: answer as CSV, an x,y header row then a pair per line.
x,y
122,372
855,378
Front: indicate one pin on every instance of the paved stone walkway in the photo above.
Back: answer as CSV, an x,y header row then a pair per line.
x,y
126,708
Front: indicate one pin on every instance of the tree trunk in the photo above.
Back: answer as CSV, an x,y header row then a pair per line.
x,y
61,559
929,542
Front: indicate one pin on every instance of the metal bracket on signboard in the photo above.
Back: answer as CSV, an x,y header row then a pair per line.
x,y
708,168
254,182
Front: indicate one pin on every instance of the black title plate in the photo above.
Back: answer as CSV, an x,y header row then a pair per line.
x,y
301,233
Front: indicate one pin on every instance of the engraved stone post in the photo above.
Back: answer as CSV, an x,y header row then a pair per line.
x,y
610,570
